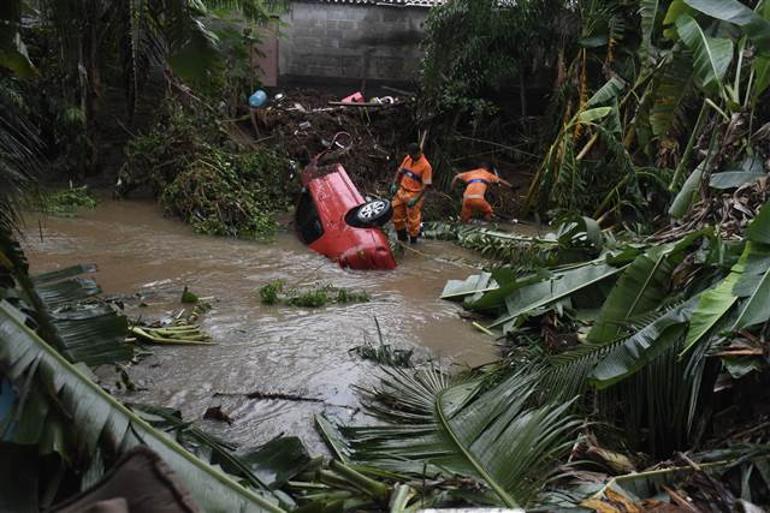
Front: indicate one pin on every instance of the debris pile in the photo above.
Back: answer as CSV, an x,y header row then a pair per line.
x,y
729,211
303,124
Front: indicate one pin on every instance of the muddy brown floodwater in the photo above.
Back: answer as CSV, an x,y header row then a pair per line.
x,y
268,349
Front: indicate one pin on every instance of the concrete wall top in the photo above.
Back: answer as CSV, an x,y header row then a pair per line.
x,y
334,40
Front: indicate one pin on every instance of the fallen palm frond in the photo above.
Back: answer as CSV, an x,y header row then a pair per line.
x,y
58,397
654,319
66,310
263,468
495,434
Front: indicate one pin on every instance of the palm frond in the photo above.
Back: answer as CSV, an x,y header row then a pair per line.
x,y
57,396
20,160
496,433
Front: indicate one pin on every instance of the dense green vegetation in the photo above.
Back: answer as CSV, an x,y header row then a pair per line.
x,y
635,335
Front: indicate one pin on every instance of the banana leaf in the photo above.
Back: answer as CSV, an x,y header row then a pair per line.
x,y
92,333
64,411
496,436
676,9
278,461
459,289
648,12
713,304
712,55
555,287
608,92
636,351
756,309
673,88
751,169
595,114
686,195
641,288
754,286
754,26
759,229
733,179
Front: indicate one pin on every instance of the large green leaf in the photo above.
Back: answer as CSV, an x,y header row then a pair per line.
x,y
712,55
676,9
554,288
673,87
756,309
759,229
608,92
61,399
686,195
455,290
595,114
648,12
641,288
92,333
714,303
733,179
497,437
625,359
732,11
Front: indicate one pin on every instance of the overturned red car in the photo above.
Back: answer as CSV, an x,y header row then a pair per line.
x,y
334,219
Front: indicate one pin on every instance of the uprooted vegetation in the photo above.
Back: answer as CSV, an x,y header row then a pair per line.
x,y
634,375
276,292
202,175
65,202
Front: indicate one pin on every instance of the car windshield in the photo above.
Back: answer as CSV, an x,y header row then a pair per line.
x,y
308,223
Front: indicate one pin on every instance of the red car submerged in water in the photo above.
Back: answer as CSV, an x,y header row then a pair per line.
x,y
335,220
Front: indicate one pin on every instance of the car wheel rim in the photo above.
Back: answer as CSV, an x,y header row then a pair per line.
x,y
372,209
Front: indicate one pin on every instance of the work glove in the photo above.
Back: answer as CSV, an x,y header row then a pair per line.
x,y
412,202
393,189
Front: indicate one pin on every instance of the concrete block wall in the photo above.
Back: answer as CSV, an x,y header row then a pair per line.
x,y
344,41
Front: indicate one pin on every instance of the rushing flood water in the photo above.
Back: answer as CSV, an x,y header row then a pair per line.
x,y
261,348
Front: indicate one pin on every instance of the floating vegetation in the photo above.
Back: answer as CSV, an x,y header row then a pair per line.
x,y
189,297
383,353
66,201
269,293
276,292
181,334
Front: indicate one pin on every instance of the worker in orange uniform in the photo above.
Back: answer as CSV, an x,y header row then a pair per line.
x,y
412,180
477,181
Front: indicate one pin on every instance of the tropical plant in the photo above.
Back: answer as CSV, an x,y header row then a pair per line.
x,y
659,67
668,310
19,155
494,431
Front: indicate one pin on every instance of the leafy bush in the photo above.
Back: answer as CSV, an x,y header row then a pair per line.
x,y
205,177
64,202
222,194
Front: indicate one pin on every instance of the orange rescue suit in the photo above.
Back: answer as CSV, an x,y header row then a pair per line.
x,y
473,200
415,175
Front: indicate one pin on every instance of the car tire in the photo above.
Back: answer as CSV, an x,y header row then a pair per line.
x,y
373,213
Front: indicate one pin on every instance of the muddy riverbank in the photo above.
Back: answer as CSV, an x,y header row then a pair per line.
x,y
270,349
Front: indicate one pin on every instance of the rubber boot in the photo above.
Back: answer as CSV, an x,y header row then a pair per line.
x,y
412,240
401,235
